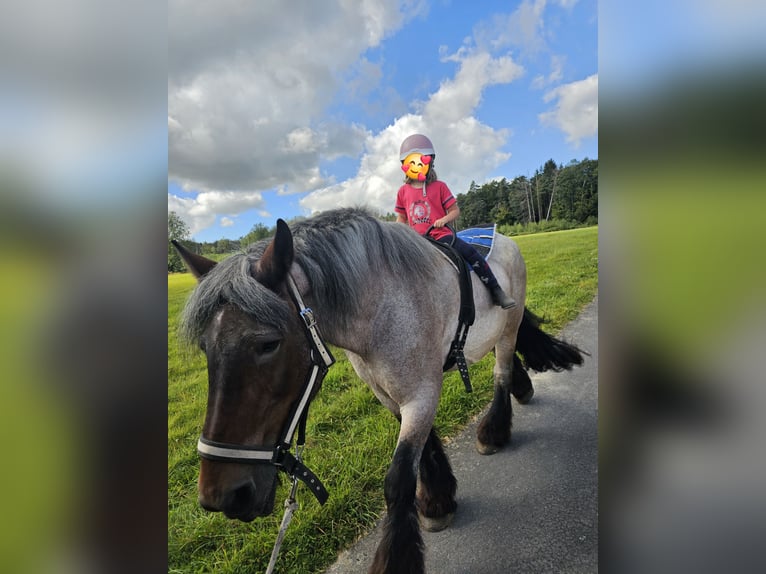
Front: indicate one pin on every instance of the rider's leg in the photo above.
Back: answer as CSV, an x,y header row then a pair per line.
x,y
483,272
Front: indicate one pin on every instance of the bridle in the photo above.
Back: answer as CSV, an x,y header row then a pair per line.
x,y
279,455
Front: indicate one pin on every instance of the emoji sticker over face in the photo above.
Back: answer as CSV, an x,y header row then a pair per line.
x,y
415,166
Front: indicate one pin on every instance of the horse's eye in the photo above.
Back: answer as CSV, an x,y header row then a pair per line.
x,y
269,346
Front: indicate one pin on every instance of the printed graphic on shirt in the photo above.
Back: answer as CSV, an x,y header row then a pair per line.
x,y
420,212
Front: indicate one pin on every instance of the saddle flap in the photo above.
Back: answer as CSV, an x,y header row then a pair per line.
x,y
467,313
481,238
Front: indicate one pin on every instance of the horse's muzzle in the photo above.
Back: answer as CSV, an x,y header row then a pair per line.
x,y
244,500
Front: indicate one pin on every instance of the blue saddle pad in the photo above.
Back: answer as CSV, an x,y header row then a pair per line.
x,y
481,238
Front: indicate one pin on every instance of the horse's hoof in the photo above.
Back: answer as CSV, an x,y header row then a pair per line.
x,y
436,524
486,448
526,397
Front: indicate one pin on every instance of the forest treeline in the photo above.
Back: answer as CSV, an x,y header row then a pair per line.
x,y
567,194
555,197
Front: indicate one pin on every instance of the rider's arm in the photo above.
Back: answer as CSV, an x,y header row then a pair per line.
x,y
401,218
453,212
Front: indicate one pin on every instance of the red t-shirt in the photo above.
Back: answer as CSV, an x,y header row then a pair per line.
x,y
422,208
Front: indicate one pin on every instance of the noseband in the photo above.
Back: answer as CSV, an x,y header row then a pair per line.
x,y
280,455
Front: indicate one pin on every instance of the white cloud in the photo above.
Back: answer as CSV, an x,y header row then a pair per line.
x,y
302,140
576,111
459,96
244,104
227,222
466,149
201,211
556,74
522,28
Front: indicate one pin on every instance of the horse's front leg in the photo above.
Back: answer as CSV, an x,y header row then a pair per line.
x,y
401,548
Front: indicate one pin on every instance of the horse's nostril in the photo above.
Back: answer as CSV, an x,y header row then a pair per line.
x,y
242,498
235,501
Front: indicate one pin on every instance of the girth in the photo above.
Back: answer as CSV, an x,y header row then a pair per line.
x,y
466,313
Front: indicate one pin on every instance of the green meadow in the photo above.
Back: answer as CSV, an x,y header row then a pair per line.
x,y
350,437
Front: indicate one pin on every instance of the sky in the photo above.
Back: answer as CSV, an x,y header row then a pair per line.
x,y
283,113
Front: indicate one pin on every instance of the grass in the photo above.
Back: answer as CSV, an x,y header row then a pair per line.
x,y
350,435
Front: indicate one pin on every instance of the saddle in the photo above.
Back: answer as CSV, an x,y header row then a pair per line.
x,y
481,238
466,313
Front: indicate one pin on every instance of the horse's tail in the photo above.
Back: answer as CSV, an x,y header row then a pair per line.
x,y
540,351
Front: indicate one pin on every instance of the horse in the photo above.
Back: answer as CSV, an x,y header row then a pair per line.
x,y
389,299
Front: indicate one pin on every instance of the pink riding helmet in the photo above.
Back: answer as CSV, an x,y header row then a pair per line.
x,y
416,143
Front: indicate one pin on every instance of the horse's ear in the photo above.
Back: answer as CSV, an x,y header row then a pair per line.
x,y
198,265
271,270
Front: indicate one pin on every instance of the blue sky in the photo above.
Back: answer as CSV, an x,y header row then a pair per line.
x,y
277,115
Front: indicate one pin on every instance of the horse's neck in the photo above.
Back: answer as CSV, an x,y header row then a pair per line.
x,y
340,333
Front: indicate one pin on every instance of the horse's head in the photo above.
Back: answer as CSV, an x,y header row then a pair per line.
x,y
256,372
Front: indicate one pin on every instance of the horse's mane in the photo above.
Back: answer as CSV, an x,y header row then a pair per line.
x,y
341,251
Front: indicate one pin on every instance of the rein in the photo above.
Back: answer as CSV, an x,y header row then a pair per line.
x,y
280,455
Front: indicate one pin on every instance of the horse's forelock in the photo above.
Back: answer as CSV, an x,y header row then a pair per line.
x,y
230,282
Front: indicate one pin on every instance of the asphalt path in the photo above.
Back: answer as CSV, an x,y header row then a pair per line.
x,y
533,506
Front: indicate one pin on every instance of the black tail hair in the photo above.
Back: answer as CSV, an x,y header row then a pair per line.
x,y
540,351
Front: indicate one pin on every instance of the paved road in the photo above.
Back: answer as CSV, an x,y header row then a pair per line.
x,y
533,506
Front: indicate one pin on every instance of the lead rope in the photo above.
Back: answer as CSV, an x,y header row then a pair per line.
x,y
291,505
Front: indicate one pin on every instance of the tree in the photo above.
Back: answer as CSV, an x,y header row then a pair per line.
x,y
576,196
257,232
225,246
586,205
566,192
517,196
551,174
178,230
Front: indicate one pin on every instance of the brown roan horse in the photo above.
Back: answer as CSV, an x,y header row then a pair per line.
x,y
389,299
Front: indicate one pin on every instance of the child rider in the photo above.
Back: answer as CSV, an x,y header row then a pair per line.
x,y
424,201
